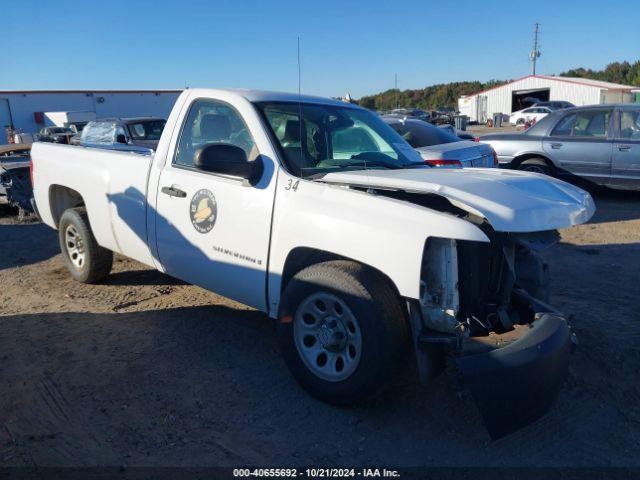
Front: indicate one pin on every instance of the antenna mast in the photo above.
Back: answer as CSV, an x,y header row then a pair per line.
x,y
299,74
535,53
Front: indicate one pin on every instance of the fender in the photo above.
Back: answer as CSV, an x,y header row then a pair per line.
x,y
386,234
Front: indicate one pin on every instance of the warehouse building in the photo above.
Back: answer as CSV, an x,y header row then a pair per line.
x,y
520,93
29,111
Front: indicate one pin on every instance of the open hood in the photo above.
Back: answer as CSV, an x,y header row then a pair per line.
x,y
511,201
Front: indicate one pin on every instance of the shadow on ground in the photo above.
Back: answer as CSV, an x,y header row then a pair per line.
x,y
27,243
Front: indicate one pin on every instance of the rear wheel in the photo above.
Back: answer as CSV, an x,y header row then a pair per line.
x,y
341,330
536,165
87,261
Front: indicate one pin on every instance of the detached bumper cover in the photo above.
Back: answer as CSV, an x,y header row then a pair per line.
x,y
516,384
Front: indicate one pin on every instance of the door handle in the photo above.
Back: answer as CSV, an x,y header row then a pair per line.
x,y
624,148
174,192
556,145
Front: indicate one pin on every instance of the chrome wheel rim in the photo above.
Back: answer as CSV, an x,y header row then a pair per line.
x,y
75,246
534,169
327,336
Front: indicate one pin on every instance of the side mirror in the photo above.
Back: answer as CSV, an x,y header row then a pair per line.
x,y
227,160
121,138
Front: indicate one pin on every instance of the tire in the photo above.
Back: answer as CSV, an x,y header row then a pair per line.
x,y
536,165
520,121
363,323
87,261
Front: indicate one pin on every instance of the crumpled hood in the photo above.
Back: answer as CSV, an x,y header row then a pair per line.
x,y
511,201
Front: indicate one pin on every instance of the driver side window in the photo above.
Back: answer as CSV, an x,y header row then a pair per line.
x,y
210,122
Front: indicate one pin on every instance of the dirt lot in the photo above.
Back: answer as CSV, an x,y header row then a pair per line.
x,y
144,370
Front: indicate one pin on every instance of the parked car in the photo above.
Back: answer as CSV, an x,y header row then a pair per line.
x,y
554,104
440,148
532,113
15,184
600,143
55,134
443,116
318,213
411,112
123,133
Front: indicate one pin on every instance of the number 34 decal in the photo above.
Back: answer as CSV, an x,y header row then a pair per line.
x,y
292,185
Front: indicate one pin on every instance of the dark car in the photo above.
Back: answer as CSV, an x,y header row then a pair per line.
x,y
411,112
600,143
55,134
15,184
123,133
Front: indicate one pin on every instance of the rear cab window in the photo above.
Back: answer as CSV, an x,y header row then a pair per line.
x,y
101,133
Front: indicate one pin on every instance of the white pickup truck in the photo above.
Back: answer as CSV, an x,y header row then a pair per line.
x,y
319,214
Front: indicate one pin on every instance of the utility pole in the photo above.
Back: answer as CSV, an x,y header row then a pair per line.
x,y
535,53
397,92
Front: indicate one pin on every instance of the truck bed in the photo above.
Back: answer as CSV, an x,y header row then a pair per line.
x,y
91,172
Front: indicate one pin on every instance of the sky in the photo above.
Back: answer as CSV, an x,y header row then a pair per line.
x,y
346,46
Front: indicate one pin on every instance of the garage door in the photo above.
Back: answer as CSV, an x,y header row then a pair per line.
x,y
5,119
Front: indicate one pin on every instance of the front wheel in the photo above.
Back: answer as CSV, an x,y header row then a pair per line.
x,y
341,330
87,261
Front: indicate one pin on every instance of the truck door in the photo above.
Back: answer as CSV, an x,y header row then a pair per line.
x,y
213,230
625,168
581,143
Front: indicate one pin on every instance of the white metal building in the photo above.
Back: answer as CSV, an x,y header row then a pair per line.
x,y
510,97
25,110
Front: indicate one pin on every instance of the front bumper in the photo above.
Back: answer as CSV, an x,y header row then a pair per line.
x,y
516,384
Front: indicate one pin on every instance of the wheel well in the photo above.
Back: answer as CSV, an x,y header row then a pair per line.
x,y
530,156
62,198
303,257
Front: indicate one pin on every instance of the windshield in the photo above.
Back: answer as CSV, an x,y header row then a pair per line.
x,y
331,138
147,130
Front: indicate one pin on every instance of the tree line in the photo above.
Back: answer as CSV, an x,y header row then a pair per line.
x,y
447,94
617,72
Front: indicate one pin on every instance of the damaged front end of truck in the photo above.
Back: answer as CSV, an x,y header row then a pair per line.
x,y
484,304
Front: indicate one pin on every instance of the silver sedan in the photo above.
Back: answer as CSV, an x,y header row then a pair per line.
x,y
440,148
600,143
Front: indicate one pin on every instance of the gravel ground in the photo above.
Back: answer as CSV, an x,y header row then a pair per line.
x,y
145,370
